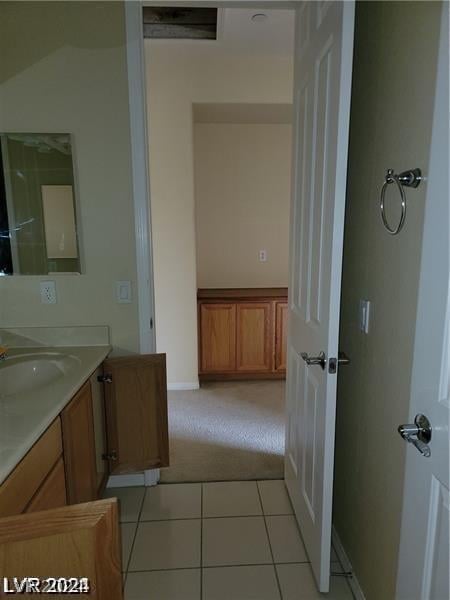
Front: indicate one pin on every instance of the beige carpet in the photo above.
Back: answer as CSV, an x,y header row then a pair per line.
x,y
226,431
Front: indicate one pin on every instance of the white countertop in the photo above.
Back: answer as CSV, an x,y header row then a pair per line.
x,y
25,417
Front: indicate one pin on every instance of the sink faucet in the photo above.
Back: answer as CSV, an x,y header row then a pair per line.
x,y
3,352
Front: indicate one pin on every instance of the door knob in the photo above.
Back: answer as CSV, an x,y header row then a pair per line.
x,y
320,359
418,433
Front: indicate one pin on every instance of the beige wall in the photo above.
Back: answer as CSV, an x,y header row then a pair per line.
x,y
179,75
394,76
242,200
63,69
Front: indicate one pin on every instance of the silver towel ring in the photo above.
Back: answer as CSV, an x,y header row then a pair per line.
x,y
410,178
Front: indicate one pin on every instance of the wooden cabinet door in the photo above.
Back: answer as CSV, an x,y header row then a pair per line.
x,y
254,338
281,316
80,541
17,491
79,447
52,493
136,413
217,337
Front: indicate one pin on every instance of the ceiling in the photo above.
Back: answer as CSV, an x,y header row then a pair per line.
x,y
274,35
239,34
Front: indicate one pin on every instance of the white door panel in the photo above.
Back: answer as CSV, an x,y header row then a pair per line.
x,y
322,89
424,567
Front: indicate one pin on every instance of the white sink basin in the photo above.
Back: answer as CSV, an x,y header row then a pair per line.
x,y
27,372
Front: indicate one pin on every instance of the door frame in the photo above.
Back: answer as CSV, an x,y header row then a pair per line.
x,y
140,176
433,305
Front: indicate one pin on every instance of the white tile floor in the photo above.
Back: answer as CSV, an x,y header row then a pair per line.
x,y
216,541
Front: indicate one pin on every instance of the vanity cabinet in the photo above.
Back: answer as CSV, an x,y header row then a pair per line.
x,y
79,447
242,333
116,423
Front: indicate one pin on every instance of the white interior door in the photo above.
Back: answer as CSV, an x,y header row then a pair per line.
x,y
425,538
322,91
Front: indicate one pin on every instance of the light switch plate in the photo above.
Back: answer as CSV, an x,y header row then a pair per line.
x,y
123,292
48,292
364,315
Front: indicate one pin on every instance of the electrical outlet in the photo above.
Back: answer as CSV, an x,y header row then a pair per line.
x,y
263,256
48,292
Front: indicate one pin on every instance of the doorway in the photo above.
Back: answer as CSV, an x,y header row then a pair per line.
x,y
220,119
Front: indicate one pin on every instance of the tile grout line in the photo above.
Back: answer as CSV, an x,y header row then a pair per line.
x,y
135,533
268,564
270,545
239,516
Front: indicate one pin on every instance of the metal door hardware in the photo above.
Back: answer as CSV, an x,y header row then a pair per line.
x,y
106,378
418,433
341,360
410,178
110,455
320,359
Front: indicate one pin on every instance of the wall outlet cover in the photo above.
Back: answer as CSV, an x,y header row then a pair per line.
x,y
123,292
48,292
263,256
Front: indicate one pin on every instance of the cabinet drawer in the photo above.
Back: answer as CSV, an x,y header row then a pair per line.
x,y
22,484
52,493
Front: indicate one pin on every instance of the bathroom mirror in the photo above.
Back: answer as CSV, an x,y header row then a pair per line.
x,y
38,217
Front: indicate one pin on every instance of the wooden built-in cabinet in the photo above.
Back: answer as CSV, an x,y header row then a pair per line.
x,y
115,423
242,333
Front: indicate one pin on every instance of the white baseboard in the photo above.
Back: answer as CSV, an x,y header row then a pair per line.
x,y
189,385
151,477
347,566
147,478
130,480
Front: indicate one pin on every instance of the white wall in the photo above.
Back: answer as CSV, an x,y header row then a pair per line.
x,y
242,201
391,121
63,69
179,75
